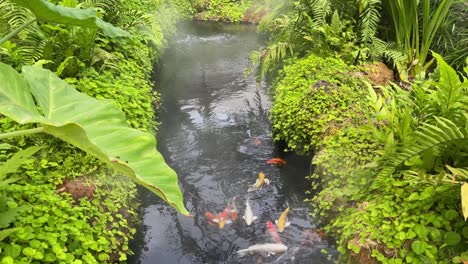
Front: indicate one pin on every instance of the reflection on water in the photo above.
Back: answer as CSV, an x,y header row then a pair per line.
x,y
215,133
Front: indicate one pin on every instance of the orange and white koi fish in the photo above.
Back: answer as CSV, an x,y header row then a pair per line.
x,y
276,161
233,209
259,183
273,232
211,217
223,217
281,223
248,216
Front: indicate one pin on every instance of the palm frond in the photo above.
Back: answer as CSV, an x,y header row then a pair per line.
x,y
429,135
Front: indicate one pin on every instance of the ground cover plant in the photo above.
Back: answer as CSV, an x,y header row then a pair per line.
x,y
232,11
62,190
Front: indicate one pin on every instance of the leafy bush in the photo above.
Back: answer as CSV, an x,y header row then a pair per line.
x,y
222,10
389,190
314,98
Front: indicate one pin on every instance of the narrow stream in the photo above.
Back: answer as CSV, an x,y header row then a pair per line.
x,y
216,134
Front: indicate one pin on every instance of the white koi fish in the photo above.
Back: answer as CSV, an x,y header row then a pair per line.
x,y
263,249
248,216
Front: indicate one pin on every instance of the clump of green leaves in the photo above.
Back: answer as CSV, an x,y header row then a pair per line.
x,y
222,10
53,227
314,98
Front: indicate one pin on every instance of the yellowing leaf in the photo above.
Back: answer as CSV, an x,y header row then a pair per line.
x,y
464,199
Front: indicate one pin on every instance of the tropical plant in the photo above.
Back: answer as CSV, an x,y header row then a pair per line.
x,y
96,127
431,114
415,31
46,11
68,123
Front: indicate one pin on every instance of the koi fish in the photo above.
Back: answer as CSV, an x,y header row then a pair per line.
x,y
259,183
257,141
292,255
273,232
248,217
263,249
223,217
211,217
234,209
276,161
281,223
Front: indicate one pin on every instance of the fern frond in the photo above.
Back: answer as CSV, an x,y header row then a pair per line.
x,y
320,10
273,54
388,50
428,136
105,59
12,16
369,18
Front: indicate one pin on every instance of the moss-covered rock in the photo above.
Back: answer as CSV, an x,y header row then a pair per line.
x,y
314,98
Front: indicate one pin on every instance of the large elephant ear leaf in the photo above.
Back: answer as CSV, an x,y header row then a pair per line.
x,y
95,126
46,11
14,101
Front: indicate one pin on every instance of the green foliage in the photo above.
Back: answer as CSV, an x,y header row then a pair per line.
x,y
46,11
93,126
8,211
313,99
222,10
415,30
100,225
134,100
414,214
54,227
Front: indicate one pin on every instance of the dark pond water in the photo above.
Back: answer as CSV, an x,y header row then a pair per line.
x,y
216,134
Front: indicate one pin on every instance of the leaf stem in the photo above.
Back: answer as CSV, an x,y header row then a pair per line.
x,y
22,133
14,32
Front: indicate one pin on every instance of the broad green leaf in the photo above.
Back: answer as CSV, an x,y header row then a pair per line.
x,y
99,128
464,199
13,99
419,247
452,238
46,11
448,75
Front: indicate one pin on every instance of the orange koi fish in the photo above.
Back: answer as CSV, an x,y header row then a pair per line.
x,y
273,232
234,209
211,217
259,183
276,161
281,223
257,141
223,216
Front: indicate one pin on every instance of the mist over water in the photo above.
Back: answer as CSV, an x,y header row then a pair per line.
x,y
216,134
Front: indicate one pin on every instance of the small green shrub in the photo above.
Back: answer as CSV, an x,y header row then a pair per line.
x,y
222,10
314,98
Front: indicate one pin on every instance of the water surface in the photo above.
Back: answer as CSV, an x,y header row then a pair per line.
x,y
216,134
